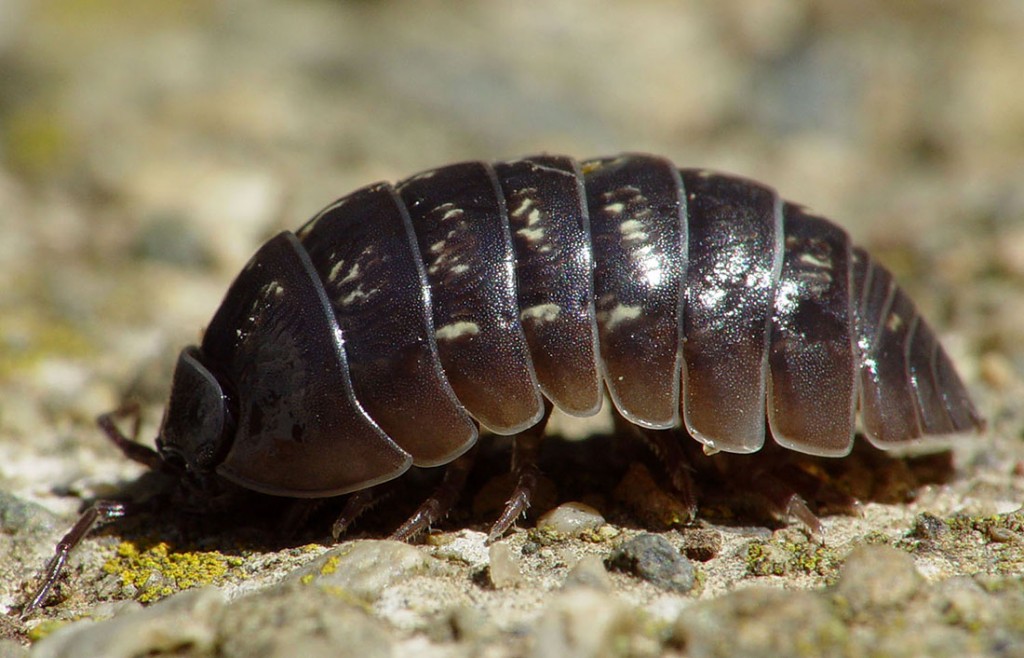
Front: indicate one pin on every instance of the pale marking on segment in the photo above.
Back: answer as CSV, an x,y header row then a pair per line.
x,y
732,262
651,268
712,296
351,276
531,235
632,230
459,269
457,330
426,175
761,279
894,322
445,260
453,213
811,259
615,208
787,297
356,295
621,313
438,246
541,313
523,207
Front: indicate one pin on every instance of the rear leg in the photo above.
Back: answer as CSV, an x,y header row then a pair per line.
x,y
357,504
667,447
768,484
440,502
525,472
767,481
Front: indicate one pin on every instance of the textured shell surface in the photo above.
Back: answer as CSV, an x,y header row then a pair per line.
x,y
402,318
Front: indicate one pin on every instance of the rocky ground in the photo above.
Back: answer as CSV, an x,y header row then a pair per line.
x,y
148,148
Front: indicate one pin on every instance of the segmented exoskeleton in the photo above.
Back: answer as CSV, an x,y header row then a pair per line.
x,y
397,320
375,337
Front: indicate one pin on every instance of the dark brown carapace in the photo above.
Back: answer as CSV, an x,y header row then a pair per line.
x,y
403,318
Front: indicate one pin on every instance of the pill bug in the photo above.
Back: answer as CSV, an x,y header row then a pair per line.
x,y
400,319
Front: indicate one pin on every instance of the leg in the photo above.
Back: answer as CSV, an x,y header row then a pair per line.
x,y
525,455
130,447
357,503
766,487
296,515
440,502
665,446
781,499
100,511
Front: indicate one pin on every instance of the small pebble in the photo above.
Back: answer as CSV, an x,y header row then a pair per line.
x,y
654,559
504,566
589,572
582,622
298,621
756,622
464,546
571,519
928,526
366,568
701,544
471,623
878,577
187,619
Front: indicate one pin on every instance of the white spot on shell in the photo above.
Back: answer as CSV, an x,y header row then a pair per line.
x,y
620,314
712,296
335,271
531,235
453,213
523,207
651,268
459,269
457,330
352,275
355,295
894,322
632,230
811,259
541,312
615,208
787,297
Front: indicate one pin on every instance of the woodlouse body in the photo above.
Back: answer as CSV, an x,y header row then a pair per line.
x,y
399,317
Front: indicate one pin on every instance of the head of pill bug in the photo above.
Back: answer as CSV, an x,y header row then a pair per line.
x,y
197,424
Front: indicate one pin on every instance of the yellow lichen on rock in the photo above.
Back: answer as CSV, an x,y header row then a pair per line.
x,y
158,570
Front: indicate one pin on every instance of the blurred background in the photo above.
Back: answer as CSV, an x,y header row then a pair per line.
x,y
147,148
